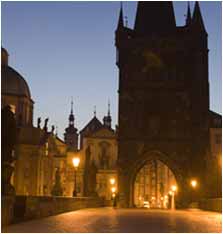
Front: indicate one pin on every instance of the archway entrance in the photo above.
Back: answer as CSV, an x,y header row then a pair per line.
x,y
153,184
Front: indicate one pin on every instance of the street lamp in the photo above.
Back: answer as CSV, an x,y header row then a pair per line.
x,y
112,181
193,183
113,189
76,162
174,189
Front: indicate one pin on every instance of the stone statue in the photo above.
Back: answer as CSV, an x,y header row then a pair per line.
x,y
38,122
45,124
52,129
57,188
9,132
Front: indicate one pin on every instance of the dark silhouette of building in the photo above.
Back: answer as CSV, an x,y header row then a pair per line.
x,y
163,96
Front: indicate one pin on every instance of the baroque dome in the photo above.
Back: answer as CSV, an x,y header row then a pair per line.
x,y
12,82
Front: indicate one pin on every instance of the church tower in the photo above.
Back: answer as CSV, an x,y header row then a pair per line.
x,y
163,94
107,119
71,135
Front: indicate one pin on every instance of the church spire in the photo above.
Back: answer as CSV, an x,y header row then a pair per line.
x,y
95,111
154,16
188,19
197,18
120,21
70,135
72,103
71,116
107,119
109,114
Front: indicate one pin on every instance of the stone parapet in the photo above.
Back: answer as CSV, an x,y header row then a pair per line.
x,y
34,207
213,204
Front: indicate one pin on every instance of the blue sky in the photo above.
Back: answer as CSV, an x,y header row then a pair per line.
x,y
66,49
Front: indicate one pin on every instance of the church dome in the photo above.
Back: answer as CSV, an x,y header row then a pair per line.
x,y
12,82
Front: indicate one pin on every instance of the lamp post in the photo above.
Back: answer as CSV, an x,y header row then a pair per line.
x,y
193,184
113,190
172,193
76,162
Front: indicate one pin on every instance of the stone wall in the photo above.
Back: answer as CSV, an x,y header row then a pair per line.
x,y
33,207
7,209
214,204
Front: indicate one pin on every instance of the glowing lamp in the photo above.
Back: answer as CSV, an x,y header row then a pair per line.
x,y
76,162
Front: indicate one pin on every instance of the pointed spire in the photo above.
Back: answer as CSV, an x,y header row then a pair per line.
x,y
72,103
109,108
154,17
94,111
197,18
120,21
71,116
188,19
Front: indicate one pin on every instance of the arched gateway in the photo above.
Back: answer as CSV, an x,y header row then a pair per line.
x,y
168,173
151,179
163,98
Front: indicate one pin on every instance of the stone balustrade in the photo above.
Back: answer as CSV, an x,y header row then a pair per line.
x,y
23,208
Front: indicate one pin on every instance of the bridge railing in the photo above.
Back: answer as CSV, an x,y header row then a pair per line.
x,y
23,208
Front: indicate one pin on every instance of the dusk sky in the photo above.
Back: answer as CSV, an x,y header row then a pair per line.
x,y
66,49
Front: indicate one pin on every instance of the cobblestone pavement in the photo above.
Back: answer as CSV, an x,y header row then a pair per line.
x,y
124,220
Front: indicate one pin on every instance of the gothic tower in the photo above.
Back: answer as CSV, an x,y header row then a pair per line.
x,y
163,95
71,135
107,119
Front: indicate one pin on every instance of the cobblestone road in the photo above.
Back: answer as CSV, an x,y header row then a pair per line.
x,y
124,220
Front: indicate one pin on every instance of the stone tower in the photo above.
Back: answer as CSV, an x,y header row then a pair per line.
x,y
163,96
71,135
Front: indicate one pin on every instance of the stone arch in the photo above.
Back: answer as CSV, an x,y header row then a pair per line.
x,y
164,158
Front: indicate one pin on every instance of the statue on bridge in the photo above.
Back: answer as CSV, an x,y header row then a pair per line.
x,y
9,133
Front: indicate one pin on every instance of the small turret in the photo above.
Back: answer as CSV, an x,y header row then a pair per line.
x,y
197,20
188,18
120,20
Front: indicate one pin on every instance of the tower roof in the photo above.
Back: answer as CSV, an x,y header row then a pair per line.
x,y
197,18
154,17
71,116
188,19
120,20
